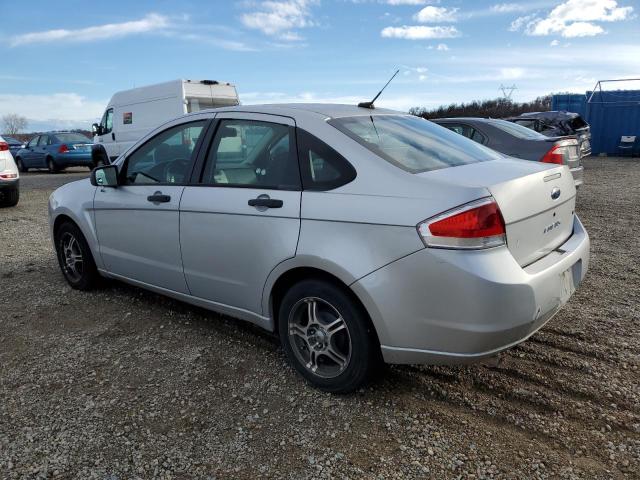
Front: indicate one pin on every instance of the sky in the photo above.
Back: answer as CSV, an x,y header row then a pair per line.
x,y
61,61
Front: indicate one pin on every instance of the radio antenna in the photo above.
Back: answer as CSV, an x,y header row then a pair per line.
x,y
370,104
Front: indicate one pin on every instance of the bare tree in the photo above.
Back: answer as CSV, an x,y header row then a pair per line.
x,y
12,123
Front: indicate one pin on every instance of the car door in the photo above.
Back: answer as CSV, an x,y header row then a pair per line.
x,y
28,154
243,216
107,136
137,223
40,152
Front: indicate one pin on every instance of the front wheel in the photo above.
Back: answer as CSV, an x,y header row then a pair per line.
x,y
20,165
75,258
327,336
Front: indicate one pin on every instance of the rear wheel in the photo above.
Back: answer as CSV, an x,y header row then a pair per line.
x,y
51,165
100,159
327,337
10,198
74,257
21,166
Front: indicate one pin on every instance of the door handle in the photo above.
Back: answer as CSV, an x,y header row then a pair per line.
x,y
113,136
159,198
265,201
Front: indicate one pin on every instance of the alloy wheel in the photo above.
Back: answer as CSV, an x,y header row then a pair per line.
x,y
319,337
72,260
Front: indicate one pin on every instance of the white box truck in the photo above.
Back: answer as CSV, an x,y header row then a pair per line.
x,y
131,114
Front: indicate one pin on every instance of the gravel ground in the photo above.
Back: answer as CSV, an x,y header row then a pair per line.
x,y
121,383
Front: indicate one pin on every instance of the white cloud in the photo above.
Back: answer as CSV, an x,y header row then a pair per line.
x,y
279,18
149,23
419,32
422,78
431,14
410,2
443,47
554,43
507,7
574,18
54,111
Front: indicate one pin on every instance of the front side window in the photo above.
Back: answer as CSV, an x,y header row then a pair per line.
x,y
107,121
166,158
33,142
252,153
412,143
321,166
44,141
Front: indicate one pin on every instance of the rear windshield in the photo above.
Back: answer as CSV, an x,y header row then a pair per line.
x,y
412,143
72,138
516,130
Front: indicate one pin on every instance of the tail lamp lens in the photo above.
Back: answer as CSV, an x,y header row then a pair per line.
x,y
4,146
475,225
555,155
63,149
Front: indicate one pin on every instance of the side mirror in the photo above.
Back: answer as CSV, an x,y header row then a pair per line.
x,y
96,129
106,176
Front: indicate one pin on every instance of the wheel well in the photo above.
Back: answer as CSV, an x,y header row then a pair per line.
x,y
295,275
60,219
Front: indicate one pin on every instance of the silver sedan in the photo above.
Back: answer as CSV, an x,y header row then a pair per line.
x,y
357,235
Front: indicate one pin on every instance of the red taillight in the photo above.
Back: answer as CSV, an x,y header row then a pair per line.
x,y
4,146
475,225
8,176
63,149
555,155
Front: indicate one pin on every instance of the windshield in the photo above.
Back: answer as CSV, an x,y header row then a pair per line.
x,y
516,130
72,138
412,143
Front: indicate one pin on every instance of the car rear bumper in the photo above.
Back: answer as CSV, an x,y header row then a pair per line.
x,y
447,306
8,185
578,174
80,159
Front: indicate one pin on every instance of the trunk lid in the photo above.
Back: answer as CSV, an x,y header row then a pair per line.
x,y
536,223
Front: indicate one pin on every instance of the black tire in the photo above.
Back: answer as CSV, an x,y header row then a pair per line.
x,y
21,166
10,198
51,165
100,159
364,351
88,277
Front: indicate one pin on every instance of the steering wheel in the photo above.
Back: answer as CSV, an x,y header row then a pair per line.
x,y
176,171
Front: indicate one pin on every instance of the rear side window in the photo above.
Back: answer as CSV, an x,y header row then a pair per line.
x,y
412,143
516,130
322,168
252,154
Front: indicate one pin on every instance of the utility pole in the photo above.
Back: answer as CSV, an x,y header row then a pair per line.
x,y
507,92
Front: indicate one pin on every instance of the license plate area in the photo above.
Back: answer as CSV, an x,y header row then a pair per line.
x,y
569,281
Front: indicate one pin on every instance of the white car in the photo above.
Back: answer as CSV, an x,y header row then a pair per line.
x,y
9,177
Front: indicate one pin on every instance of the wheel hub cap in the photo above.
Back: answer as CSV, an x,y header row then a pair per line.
x,y
319,337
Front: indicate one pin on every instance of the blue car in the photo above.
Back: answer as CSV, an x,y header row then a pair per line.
x,y
55,151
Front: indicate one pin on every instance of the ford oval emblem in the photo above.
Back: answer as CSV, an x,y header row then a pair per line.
x,y
555,193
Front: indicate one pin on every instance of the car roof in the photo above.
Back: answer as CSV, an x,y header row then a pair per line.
x,y
465,119
323,109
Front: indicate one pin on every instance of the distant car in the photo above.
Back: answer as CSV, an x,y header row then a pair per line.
x,y
9,177
14,144
520,142
56,151
558,123
356,234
